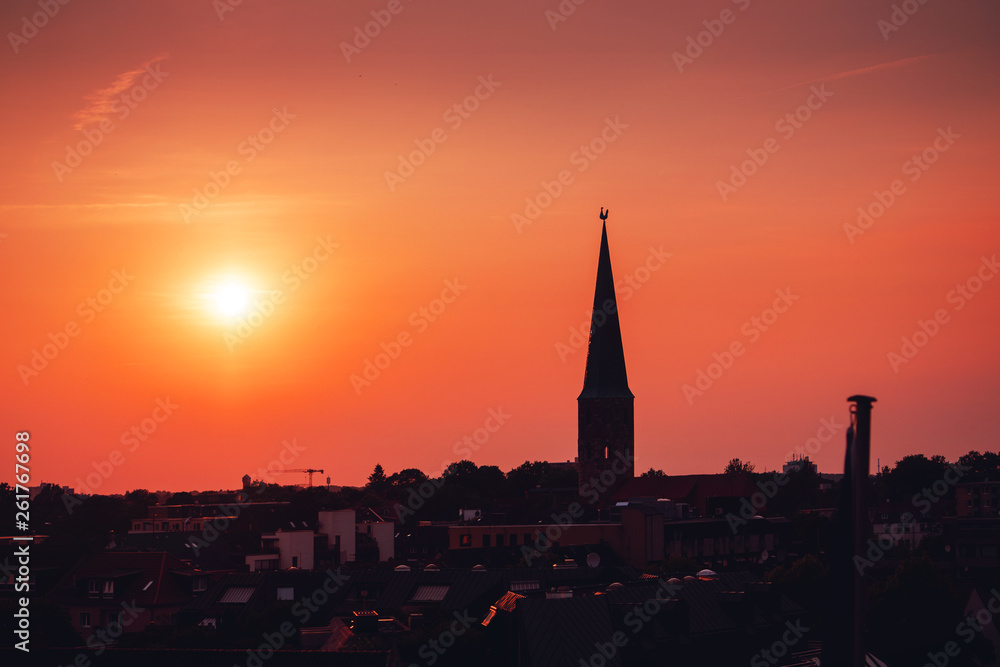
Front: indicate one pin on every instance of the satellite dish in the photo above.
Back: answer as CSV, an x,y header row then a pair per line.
x,y
593,559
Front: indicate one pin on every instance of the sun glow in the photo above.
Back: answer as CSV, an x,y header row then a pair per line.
x,y
230,299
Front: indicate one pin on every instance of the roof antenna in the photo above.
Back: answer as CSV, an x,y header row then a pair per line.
x,y
604,216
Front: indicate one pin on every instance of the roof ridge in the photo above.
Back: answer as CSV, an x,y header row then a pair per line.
x,y
159,576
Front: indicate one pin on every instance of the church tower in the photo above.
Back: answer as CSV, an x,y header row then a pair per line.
x,y
605,427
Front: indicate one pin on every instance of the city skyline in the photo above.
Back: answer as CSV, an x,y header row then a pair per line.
x,y
417,229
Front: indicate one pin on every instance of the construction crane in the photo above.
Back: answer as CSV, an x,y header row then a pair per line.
x,y
308,471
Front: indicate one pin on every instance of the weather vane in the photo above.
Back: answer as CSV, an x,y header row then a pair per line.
x,y
604,216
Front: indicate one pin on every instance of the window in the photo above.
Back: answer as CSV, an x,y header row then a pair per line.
x,y
430,593
513,539
527,539
109,588
486,539
84,619
94,588
286,592
236,595
200,584
295,561
524,586
465,540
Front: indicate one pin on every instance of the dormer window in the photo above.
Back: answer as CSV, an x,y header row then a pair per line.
x,y
94,588
109,587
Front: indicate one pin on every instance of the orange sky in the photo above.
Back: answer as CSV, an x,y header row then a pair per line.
x,y
328,131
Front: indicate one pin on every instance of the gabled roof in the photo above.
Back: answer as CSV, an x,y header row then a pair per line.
x,y
563,632
447,589
134,570
605,376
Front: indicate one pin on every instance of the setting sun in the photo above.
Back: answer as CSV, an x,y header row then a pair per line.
x,y
230,299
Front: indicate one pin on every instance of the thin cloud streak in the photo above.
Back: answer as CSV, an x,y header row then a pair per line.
x,y
8,207
101,102
850,73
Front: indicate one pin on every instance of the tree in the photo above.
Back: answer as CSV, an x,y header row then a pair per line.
x,y
407,478
527,476
653,473
377,480
140,497
980,466
738,467
912,474
912,611
181,498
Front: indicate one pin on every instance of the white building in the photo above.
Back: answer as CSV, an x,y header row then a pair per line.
x,y
339,529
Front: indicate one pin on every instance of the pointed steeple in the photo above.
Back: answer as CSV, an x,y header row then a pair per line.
x,y
605,376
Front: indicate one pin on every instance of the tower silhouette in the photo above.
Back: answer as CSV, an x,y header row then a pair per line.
x,y
605,428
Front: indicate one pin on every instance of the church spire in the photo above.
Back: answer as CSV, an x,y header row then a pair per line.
x,y
605,376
